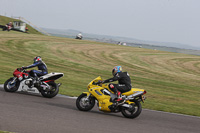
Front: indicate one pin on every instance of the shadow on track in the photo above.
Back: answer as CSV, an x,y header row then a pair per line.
x,y
67,105
73,107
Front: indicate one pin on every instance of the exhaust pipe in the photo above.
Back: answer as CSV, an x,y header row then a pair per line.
x,y
126,105
138,93
59,84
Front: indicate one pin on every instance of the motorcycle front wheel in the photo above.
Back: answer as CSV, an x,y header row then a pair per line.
x,y
84,103
11,87
132,112
54,89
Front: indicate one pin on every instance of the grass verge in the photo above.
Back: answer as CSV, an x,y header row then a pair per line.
x,y
170,79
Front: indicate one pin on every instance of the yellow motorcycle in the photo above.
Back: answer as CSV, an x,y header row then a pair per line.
x,y
130,106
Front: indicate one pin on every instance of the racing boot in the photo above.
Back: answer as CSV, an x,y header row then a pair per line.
x,y
119,96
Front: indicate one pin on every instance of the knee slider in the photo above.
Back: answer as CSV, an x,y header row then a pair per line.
x,y
111,86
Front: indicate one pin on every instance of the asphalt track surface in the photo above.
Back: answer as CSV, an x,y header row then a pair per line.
x,y
31,113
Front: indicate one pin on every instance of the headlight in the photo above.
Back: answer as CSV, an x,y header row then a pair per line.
x,y
20,78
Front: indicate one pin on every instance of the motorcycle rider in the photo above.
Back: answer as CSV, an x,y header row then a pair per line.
x,y
123,80
8,26
42,69
79,36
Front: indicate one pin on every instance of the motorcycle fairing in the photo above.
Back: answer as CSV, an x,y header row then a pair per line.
x,y
133,91
25,88
19,74
104,105
52,76
104,100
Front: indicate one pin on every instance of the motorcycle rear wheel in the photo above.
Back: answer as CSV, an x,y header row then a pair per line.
x,y
11,87
134,112
50,93
84,104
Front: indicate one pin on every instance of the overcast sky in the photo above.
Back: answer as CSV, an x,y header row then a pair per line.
x,y
153,20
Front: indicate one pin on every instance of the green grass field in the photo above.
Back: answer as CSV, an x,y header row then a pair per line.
x,y
170,79
4,132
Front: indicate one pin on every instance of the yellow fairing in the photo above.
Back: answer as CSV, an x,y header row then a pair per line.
x,y
104,100
96,91
104,104
132,91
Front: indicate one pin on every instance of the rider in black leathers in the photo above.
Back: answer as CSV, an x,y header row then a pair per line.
x,y
123,80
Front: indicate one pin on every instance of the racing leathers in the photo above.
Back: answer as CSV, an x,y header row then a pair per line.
x,y
123,80
42,69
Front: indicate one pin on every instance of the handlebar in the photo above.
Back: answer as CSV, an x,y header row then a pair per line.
x,y
20,69
97,83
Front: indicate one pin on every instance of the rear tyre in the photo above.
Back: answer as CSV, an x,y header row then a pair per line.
x,y
133,112
84,103
54,89
11,87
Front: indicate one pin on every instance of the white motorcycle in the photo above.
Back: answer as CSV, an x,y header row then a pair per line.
x,y
22,81
79,36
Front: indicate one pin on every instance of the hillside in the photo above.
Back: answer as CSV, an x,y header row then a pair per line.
x,y
4,20
70,33
171,79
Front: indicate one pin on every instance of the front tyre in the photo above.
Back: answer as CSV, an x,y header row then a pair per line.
x,y
11,87
132,112
52,92
85,103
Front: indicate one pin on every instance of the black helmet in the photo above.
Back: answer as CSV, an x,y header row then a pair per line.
x,y
37,58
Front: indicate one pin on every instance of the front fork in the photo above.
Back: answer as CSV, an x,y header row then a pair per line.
x,y
87,98
13,80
